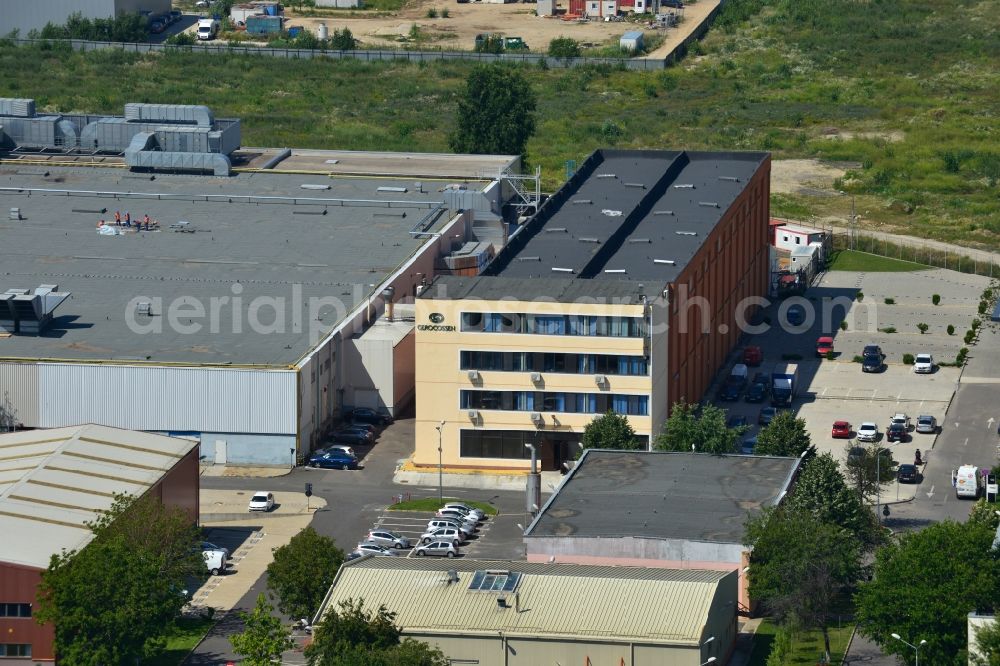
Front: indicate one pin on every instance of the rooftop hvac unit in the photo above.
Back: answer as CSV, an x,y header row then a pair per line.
x,y
536,377
474,375
536,418
600,380
473,415
144,308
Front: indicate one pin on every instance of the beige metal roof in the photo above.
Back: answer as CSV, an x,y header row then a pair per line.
x,y
54,481
666,606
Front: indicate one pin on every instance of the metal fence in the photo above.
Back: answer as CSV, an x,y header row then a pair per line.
x,y
973,262
369,55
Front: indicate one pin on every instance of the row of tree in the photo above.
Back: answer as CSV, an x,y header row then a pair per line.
x,y
130,27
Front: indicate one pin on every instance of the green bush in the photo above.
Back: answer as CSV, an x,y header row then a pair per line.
x,y
432,12
564,47
907,359
445,12
976,324
922,327
951,329
859,296
969,335
890,301
888,329
181,39
858,359
843,325
936,299
831,355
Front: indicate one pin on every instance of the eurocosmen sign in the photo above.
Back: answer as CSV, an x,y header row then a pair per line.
x,y
435,325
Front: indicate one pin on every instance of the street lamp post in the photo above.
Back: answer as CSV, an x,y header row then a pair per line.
x,y
916,648
440,429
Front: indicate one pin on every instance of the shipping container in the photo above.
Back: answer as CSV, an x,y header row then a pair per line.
x,y
263,25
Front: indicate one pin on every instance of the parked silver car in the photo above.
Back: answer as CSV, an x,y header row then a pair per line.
x,y
479,514
374,549
927,424
453,534
441,548
387,538
457,514
465,528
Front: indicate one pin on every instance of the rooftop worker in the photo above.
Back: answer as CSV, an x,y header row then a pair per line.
x,y
128,219
118,218
100,224
145,220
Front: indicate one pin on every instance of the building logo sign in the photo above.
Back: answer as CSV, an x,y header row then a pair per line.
x,y
435,325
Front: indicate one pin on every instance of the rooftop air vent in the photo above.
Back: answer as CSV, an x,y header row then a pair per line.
x,y
29,312
581,201
639,240
669,262
663,212
686,233
529,258
684,186
556,269
617,271
587,239
555,230
708,204
612,213
606,175
639,185
731,179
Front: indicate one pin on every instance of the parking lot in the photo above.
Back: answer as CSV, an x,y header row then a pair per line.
x,y
832,390
498,537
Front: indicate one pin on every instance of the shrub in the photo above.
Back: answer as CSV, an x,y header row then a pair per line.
x,y
830,355
888,329
858,359
445,13
843,325
564,47
951,329
890,301
181,39
432,12
859,296
975,324
969,335
907,359
922,327
936,299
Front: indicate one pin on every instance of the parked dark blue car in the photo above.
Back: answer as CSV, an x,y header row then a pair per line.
x,y
354,436
334,460
366,415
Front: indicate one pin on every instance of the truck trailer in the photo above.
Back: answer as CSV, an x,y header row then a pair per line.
x,y
784,384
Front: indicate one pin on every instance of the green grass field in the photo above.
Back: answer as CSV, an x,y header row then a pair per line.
x,y
851,260
887,87
807,647
433,504
181,641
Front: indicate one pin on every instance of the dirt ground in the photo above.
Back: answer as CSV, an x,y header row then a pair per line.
x,y
810,176
465,21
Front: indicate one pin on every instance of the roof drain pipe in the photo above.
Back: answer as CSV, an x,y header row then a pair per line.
x,y
533,490
277,159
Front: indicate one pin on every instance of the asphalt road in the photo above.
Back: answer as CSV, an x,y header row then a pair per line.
x,y
355,500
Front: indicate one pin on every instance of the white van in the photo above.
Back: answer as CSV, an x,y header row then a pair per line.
x,y
968,481
215,560
208,29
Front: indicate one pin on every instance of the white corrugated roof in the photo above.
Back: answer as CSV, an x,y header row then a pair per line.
x,y
54,481
614,603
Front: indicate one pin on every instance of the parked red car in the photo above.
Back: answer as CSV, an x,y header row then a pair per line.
x,y
824,346
753,356
841,430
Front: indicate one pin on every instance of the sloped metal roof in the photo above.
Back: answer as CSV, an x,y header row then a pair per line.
x,y
52,482
664,606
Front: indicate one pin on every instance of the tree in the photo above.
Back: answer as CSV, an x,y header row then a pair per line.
x,y
610,431
496,113
785,435
564,47
925,585
302,571
694,428
987,645
868,468
263,638
343,40
115,600
8,414
984,513
821,491
355,636
799,566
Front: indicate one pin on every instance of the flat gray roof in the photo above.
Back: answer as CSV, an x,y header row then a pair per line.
x,y
635,215
259,234
692,496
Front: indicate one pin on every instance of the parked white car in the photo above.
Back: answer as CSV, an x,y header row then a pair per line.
x,y
902,419
262,501
442,548
867,432
215,561
923,364
457,514
479,514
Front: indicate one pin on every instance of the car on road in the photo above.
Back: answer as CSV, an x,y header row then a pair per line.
x,y
907,473
748,444
753,356
374,549
207,545
927,424
261,501
440,548
457,514
157,26
360,425
824,346
388,538
841,430
175,15
872,359
766,415
902,419
453,534
896,432
366,415
758,390
479,514
343,448
356,437
796,315
867,432
333,459
731,391
923,364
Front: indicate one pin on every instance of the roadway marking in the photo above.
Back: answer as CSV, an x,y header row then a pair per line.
x,y
989,423
930,493
966,442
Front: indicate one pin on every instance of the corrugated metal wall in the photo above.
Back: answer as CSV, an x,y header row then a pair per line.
x,y
152,398
19,383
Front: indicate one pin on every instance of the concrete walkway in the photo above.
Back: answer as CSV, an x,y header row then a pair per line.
x,y
240,471
479,480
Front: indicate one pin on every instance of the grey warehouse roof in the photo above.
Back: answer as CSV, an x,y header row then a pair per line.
x,y
653,494
340,244
561,290
629,215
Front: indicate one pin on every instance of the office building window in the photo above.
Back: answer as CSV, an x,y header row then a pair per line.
x,y
581,325
509,444
15,610
555,402
602,364
15,650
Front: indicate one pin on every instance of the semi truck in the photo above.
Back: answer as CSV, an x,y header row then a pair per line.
x,y
784,384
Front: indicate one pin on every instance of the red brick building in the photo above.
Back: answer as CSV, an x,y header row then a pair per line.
x,y
51,483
